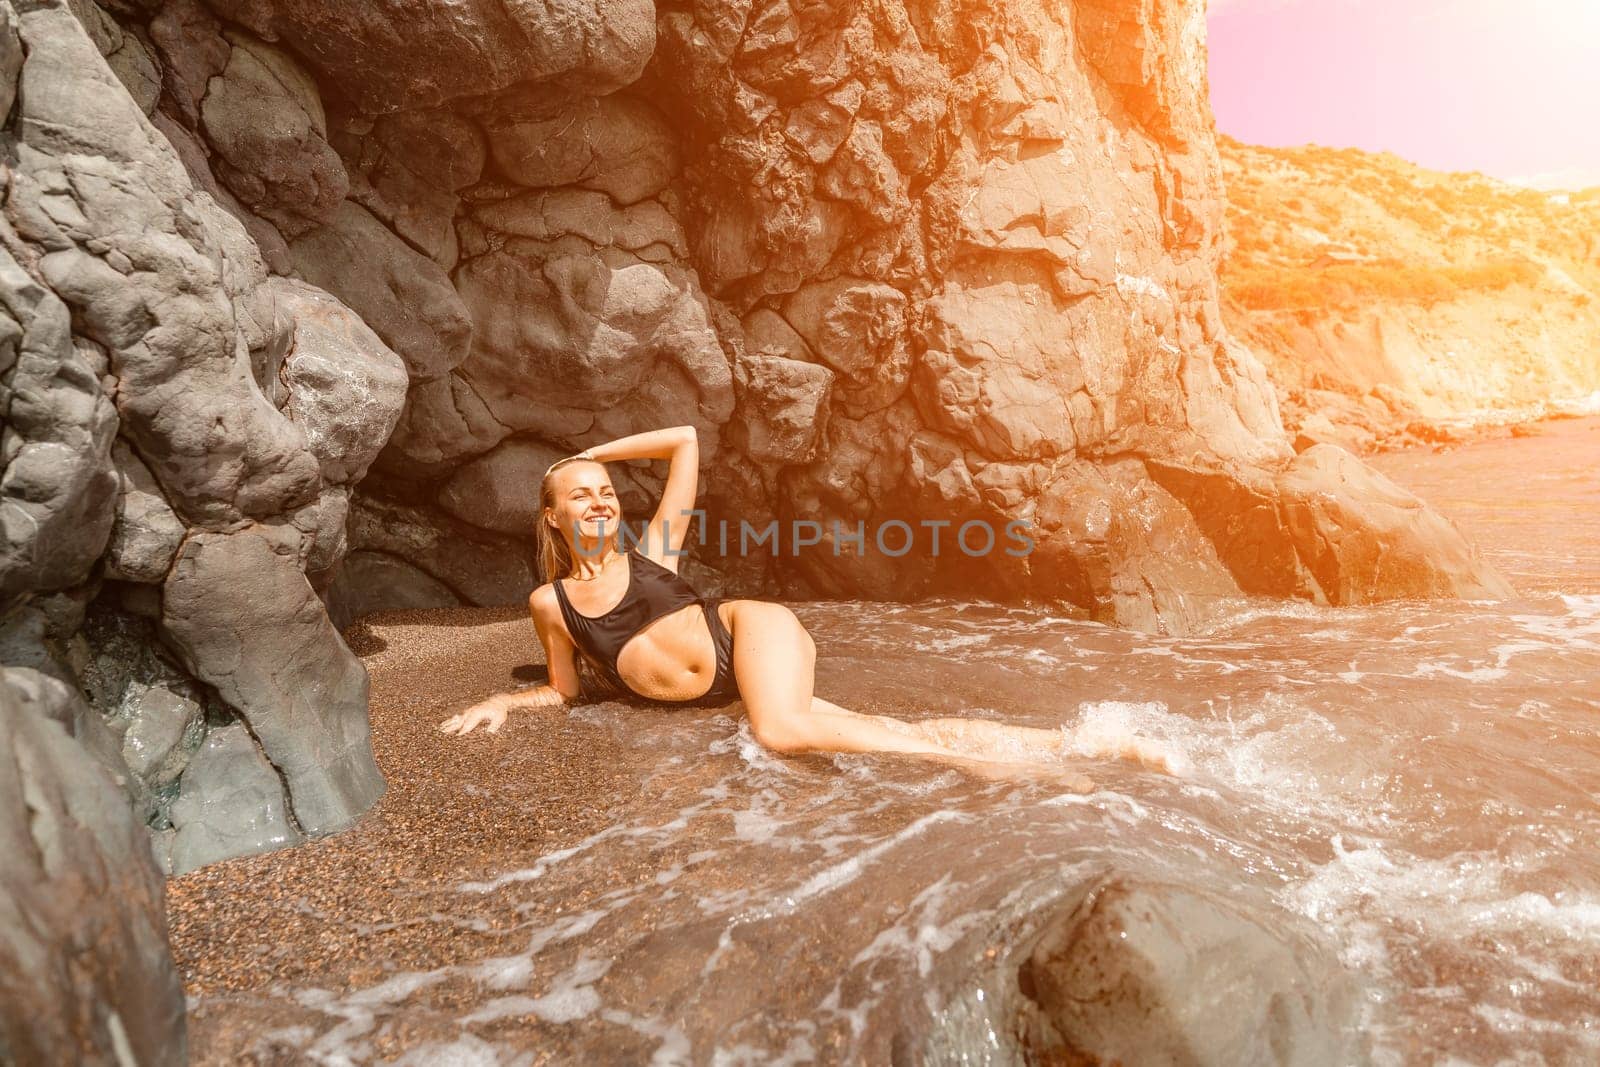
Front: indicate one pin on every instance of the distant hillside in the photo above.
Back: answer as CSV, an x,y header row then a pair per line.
x,y
1392,303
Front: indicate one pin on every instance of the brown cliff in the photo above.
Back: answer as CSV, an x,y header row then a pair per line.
x,y
301,310
1394,304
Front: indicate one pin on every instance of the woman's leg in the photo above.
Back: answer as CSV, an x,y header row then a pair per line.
x,y
774,662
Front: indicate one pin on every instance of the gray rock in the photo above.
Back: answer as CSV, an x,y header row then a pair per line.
x,y
376,581
85,972
240,613
123,51
57,491
616,145
263,116
480,567
163,729
405,297
1144,973
153,709
58,699
783,408
231,804
189,41
408,168
146,534
500,489
416,53
155,295
270,246
10,58
345,386
858,327
325,539
603,326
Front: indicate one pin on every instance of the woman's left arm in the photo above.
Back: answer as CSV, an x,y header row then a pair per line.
x,y
680,446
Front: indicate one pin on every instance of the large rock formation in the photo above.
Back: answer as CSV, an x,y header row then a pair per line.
x,y
287,281
291,281
182,429
85,972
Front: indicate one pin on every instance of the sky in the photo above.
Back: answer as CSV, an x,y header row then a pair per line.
x,y
1507,87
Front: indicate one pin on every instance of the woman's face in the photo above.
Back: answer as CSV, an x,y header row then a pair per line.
x,y
586,505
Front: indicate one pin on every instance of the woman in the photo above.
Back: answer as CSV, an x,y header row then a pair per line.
x,y
631,623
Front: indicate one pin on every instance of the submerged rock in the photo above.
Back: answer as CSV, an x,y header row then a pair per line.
x,y
1148,973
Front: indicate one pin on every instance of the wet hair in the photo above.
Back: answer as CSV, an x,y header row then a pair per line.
x,y
555,562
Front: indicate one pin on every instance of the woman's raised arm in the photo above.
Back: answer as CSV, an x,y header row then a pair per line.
x,y
680,446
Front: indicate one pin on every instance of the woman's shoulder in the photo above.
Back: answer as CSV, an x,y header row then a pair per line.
x,y
543,600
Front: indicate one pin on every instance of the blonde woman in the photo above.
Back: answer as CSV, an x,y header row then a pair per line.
x,y
613,621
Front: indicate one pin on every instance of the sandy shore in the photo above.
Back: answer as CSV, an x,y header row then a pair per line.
x,y
347,910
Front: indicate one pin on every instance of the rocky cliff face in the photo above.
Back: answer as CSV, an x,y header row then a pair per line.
x,y
303,296
1392,303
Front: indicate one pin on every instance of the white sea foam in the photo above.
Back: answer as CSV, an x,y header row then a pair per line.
x,y
1365,891
571,996
1473,674
465,1051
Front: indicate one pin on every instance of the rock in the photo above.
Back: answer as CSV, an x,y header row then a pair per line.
x,y
324,539
500,490
1433,432
1364,538
415,54
163,732
85,972
480,567
124,53
376,581
407,168
189,40
56,493
269,243
11,56
1317,429
402,295
146,534
858,328
154,296
232,804
597,325
616,145
1330,529
783,408
238,610
1015,408
345,386
263,116
154,711
1149,973
57,698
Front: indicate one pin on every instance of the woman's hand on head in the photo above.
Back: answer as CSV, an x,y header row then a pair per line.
x,y
491,713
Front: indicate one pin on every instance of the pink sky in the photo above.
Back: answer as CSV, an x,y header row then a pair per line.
x,y
1507,87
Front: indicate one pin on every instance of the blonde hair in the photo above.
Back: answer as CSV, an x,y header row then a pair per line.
x,y
555,563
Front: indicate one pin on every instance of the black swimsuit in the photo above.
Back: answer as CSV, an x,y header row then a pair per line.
x,y
653,591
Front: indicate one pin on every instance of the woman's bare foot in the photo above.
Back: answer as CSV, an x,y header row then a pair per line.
x,y
1097,741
